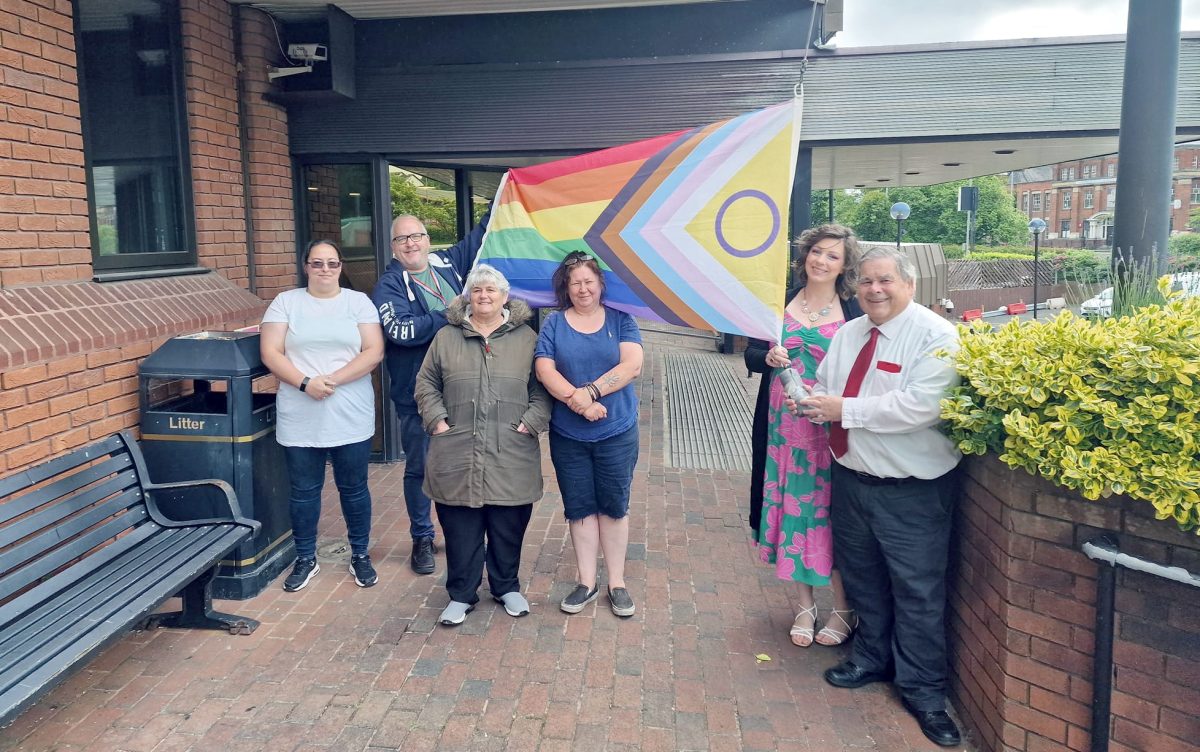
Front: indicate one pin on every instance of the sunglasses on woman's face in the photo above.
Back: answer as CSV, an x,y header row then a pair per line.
x,y
575,257
319,264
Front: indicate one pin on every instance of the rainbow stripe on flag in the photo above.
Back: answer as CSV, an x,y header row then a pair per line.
x,y
691,227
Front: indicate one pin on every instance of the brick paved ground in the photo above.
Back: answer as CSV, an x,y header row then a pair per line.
x,y
336,667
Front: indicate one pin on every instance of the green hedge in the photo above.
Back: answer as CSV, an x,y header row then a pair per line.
x,y
1102,408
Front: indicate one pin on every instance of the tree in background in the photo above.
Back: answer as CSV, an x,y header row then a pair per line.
x,y
438,214
935,216
843,206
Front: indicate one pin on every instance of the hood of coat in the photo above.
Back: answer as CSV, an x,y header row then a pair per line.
x,y
518,313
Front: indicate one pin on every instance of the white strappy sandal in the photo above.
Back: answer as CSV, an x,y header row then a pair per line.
x,y
801,636
836,636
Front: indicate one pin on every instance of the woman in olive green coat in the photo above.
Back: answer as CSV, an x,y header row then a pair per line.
x,y
484,409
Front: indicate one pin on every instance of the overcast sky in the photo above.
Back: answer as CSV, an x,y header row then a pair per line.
x,y
870,23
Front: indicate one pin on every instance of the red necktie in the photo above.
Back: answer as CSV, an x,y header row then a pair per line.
x,y
839,439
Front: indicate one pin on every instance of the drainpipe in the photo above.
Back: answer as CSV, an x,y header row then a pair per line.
x,y
243,148
1104,551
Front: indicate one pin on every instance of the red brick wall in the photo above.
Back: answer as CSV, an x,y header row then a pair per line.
x,y
69,354
210,74
69,348
1187,169
270,163
43,208
1022,603
217,180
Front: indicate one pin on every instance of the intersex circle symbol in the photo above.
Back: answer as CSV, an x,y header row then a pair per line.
x,y
775,223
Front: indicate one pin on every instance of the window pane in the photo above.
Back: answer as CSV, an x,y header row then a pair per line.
x,y
340,204
131,112
427,193
483,191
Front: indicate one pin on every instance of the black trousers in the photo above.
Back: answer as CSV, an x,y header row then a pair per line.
x,y
473,536
891,544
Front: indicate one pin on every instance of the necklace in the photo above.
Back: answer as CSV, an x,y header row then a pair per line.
x,y
814,315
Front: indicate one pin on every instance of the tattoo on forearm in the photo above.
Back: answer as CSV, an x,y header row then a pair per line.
x,y
612,380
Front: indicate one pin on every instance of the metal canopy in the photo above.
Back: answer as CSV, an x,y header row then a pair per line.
x,y
298,10
873,117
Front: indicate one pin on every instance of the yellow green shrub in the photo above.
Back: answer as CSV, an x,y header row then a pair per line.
x,y
1102,408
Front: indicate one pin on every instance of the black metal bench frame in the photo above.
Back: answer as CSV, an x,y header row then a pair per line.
x,y
87,550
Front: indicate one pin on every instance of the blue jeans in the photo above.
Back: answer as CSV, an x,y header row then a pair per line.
x,y
306,470
594,476
416,443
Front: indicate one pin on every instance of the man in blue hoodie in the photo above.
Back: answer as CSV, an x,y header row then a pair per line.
x,y
412,296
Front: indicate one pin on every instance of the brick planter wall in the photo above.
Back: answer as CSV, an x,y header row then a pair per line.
x,y
70,347
1022,598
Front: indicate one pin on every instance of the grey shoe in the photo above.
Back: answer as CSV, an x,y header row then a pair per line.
x,y
455,613
578,598
620,601
514,603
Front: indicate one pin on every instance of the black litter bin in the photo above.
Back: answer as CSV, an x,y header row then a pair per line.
x,y
206,414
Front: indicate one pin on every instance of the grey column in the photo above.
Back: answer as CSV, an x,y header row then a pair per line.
x,y
1147,140
802,193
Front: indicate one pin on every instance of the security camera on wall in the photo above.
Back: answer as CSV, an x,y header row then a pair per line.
x,y
303,53
323,49
309,53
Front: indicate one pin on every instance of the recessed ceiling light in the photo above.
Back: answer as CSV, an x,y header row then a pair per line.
x,y
1004,151
913,172
883,180
951,164
860,185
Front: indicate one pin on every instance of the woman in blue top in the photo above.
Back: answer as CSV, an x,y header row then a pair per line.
x,y
587,357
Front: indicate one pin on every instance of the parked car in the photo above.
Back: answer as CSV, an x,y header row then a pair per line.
x,y
1098,307
1188,283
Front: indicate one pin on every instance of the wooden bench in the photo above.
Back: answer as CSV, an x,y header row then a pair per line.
x,y
89,547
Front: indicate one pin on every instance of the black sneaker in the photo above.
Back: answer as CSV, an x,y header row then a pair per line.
x,y
301,574
620,601
578,598
422,556
364,573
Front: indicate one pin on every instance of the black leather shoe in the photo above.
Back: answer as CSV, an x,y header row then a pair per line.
x,y
422,556
937,726
850,675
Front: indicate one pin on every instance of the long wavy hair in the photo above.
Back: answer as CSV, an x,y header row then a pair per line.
x,y
845,285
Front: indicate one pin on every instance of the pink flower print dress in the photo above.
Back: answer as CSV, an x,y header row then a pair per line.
x,y
794,533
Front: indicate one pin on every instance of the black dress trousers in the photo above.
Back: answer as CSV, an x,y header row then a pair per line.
x,y
891,543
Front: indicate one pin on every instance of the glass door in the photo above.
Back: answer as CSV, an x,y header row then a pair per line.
x,y
340,202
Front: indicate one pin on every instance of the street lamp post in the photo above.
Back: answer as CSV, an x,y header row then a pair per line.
x,y
900,212
1037,227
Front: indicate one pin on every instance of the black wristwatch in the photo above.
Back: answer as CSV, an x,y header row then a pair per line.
x,y
304,384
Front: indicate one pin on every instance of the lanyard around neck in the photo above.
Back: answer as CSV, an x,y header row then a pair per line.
x,y
437,293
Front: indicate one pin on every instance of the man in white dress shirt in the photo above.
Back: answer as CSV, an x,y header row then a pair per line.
x,y
893,486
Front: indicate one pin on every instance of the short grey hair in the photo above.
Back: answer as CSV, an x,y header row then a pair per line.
x,y
904,264
483,274
412,217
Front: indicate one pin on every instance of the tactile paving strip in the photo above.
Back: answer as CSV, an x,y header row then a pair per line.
x,y
709,420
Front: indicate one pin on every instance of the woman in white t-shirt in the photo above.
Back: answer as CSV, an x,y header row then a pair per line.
x,y
322,342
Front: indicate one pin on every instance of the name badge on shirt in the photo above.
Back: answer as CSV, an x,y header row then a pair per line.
x,y
883,365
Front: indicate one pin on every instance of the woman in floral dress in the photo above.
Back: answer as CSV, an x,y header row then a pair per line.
x,y
793,531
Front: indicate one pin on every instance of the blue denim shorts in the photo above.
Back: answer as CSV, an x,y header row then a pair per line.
x,y
594,476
